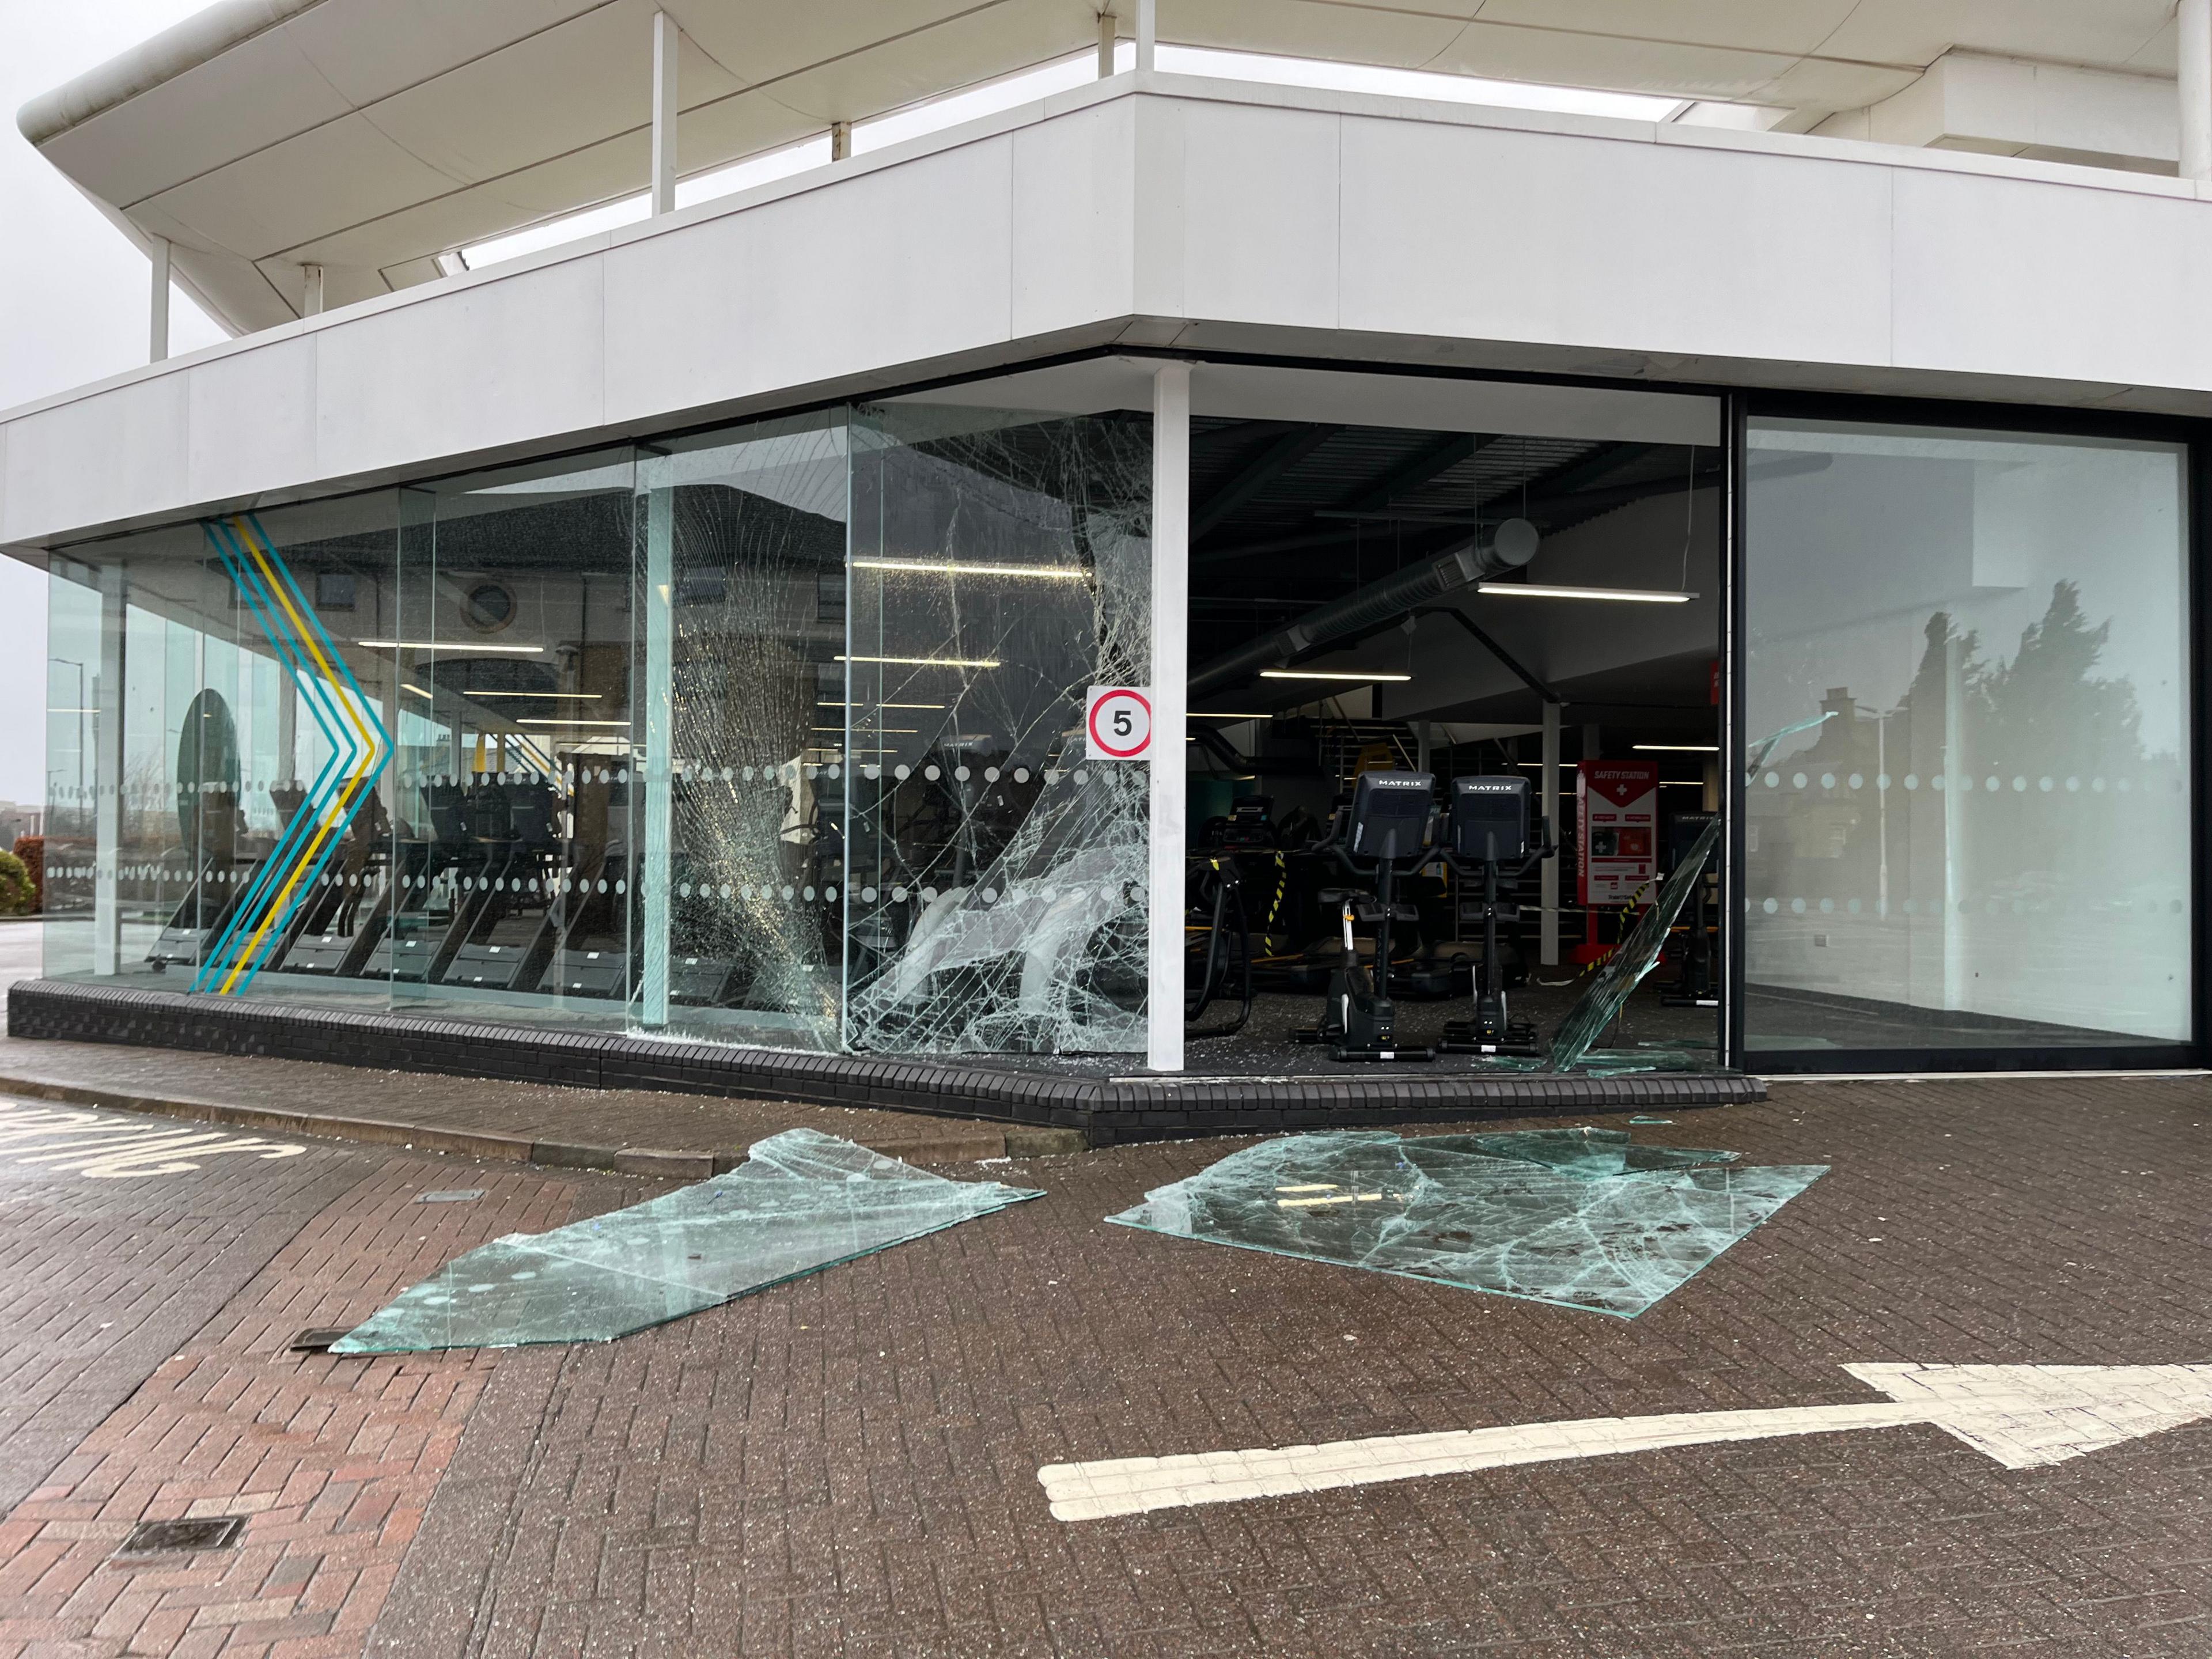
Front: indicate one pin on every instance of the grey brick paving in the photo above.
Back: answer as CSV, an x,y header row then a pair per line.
x,y
846,1465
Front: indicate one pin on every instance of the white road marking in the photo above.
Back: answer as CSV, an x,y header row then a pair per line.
x,y
2023,1416
71,1141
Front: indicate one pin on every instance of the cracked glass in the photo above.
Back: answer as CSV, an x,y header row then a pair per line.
x,y
1579,1217
801,1201
1001,566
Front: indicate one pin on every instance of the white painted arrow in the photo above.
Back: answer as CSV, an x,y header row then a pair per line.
x,y
2021,1415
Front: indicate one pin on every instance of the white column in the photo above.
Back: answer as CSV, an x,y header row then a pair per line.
x,y
312,303
157,330
2195,86
665,36
1547,873
1148,32
107,772
1107,25
1170,680
655,875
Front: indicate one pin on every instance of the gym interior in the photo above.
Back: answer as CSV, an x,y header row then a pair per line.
x,y
1454,701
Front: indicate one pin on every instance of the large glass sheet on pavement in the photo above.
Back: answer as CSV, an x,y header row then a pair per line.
x,y
1582,1217
801,1201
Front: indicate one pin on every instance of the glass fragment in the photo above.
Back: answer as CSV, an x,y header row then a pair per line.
x,y
1636,955
1581,1217
801,1201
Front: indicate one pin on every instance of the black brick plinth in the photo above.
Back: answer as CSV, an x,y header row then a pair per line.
x,y
1106,1111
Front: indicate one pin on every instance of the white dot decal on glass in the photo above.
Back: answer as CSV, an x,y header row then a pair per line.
x,y
683,889
898,895
1797,781
990,774
1770,906
871,773
929,896
2044,785
867,896
2097,786
747,892
901,771
1082,776
788,895
1796,907
1827,779
1857,781
1853,907
1021,774
960,774
1938,782
835,770
1828,907
621,886
1911,780
807,894
932,773
1774,780
748,775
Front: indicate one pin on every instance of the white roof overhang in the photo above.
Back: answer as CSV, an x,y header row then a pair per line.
x,y
367,136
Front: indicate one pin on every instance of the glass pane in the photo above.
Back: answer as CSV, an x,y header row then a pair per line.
x,y
744,602
1001,566
1984,839
1579,1217
514,835
801,1201
220,747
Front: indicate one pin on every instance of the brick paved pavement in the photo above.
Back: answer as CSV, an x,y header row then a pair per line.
x,y
846,1464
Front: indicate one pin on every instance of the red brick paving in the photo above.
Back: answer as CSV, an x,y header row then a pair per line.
x,y
846,1465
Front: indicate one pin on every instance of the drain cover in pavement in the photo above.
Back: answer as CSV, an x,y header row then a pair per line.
x,y
1582,1218
801,1201
213,1532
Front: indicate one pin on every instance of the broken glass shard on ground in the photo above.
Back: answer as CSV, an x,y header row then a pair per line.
x,y
1582,1217
801,1201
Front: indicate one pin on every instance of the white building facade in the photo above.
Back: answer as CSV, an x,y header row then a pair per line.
x,y
687,629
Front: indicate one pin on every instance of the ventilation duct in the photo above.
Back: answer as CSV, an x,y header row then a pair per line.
x,y
1509,547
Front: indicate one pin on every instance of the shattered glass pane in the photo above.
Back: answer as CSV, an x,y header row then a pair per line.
x,y
1636,956
745,549
801,1201
1582,1217
1001,566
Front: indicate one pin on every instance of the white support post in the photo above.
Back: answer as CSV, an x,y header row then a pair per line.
x,y
665,37
1547,874
1108,23
311,304
1170,681
1148,35
2195,89
157,330
107,772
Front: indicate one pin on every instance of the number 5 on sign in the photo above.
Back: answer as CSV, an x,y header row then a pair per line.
x,y
1120,722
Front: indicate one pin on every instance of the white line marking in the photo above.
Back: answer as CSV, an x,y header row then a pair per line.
x,y
2023,1416
105,1148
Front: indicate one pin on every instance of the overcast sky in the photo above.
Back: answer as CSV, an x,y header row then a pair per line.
x,y
72,307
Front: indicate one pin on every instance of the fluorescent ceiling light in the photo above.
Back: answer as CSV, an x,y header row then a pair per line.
x,y
448,645
575,696
881,730
1623,595
825,704
1329,674
418,691
624,724
1065,573
1210,714
928,662
1682,748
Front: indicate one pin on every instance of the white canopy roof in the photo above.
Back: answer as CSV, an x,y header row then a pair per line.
x,y
367,136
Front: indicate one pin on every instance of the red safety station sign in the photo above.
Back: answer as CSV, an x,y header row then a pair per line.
x,y
1617,806
1119,722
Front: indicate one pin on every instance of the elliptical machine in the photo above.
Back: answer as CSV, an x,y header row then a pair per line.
x,y
1489,830
1389,820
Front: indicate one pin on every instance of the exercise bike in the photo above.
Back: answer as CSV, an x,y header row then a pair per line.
x,y
1489,829
1388,820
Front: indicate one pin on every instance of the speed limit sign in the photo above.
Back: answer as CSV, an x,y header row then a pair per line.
x,y
1120,722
